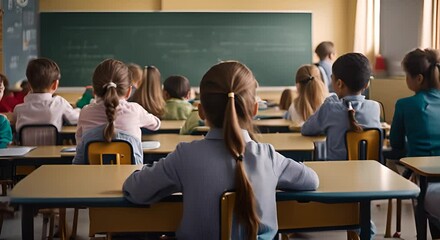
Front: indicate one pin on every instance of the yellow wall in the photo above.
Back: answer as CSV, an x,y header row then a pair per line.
x,y
332,20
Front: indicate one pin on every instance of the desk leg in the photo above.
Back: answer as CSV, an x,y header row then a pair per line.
x,y
27,222
365,220
420,213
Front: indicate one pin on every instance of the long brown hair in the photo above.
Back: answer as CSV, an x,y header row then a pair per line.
x,y
426,63
311,91
149,94
227,94
286,99
135,72
111,81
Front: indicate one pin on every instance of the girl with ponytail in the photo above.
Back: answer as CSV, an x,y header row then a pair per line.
x,y
226,160
347,109
416,119
111,116
311,94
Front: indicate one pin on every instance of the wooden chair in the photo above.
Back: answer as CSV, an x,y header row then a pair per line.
x,y
41,135
368,145
103,219
116,152
227,203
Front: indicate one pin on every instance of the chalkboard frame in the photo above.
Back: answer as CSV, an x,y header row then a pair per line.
x,y
75,74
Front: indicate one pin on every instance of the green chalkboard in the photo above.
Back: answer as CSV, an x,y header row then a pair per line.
x,y
273,45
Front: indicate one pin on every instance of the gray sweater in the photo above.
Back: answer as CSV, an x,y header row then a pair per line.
x,y
203,170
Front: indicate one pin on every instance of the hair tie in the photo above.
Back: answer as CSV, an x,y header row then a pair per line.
x,y
310,78
231,95
240,157
148,66
350,107
110,85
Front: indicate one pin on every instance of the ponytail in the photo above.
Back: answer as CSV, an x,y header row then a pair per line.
x,y
354,125
111,101
245,203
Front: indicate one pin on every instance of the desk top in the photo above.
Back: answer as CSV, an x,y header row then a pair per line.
x,y
168,142
289,141
273,122
165,125
425,166
273,112
339,181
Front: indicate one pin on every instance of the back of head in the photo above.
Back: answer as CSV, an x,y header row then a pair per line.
x,y
177,86
111,81
41,73
149,94
354,70
4,80
426,63
286,99
311,90
135,74
227,95
324,49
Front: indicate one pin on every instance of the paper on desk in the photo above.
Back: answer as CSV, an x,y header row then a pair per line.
x,y
14,151
69,149
150,144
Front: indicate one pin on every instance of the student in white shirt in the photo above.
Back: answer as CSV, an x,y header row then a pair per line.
x,y
39,106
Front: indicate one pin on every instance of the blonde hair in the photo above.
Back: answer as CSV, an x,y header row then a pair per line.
x,y
227,95
311,91
149,95
110,82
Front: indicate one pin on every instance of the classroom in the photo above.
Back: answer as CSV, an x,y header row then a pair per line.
x,y
171,119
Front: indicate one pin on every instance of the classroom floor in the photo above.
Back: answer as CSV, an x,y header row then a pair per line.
x,y
11,226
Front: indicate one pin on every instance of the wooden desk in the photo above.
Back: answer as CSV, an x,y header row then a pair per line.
x,y
426,168
273,125
166,126
340,181
270,113
168,142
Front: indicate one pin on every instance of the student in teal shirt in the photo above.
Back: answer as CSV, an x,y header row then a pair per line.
x,y
5,126
416,121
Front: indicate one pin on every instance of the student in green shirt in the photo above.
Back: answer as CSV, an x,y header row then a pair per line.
x,y
176,91
5,126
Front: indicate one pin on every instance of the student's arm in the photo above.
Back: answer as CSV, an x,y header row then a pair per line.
x,y
315,125
155,182
293,175
79,154
191,122
148,120
5,132
70,114
397,132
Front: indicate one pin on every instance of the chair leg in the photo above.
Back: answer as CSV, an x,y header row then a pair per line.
x,y
74,224
352,235
109,236
389,219
51,226
62,224
398,218
44,231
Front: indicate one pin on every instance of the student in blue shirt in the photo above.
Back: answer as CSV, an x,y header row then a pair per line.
x,y
416,121
347,109
227,159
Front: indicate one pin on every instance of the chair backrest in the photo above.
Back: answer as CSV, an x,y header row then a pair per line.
x,y
227,203
38,135
115,152
364,145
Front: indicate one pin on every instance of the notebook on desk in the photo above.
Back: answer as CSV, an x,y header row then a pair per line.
x,y
150,144
15,151
69,149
